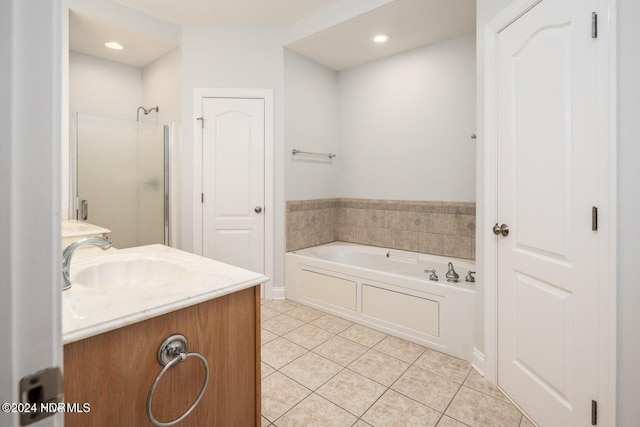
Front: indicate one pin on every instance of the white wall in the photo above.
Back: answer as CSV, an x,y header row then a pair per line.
x,y
405,125
233,58
103,88
161,82
311,124
628,208
162,86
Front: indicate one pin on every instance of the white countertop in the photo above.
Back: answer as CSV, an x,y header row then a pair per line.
x,y
89,311
74,228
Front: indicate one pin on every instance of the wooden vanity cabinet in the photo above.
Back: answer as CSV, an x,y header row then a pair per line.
x,y
114,371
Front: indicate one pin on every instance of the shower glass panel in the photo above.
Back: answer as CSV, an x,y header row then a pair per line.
x,y
122,179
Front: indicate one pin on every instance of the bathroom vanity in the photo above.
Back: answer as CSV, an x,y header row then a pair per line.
x,y
121,307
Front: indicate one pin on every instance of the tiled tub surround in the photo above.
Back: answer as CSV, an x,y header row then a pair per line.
x,y
437,228
311,222
323,370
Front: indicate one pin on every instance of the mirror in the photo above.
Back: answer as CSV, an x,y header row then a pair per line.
x,y
120,178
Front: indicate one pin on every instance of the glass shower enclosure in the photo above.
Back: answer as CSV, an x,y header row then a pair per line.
x,y
121,179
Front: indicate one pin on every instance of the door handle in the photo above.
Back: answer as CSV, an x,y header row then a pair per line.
x,y
258,209
501,229
84,210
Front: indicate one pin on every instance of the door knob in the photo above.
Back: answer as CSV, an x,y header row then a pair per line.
x,y
258,209
501,229
84,210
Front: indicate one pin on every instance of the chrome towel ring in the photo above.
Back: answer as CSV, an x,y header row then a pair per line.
x,y
172,351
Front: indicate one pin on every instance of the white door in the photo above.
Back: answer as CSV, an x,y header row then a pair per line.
x,y
30,247
547,186
233,181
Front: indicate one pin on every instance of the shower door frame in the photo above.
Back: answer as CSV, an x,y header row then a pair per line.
x,y
73,174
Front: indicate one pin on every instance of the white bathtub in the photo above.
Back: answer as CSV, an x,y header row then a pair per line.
x,y
388,290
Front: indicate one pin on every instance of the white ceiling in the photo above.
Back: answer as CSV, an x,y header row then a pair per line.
x,y
88,34
411,23
231,13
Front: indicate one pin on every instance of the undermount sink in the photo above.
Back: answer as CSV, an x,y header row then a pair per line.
x,y
133,271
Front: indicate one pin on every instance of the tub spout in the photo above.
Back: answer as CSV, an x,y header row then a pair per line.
x,y
451,275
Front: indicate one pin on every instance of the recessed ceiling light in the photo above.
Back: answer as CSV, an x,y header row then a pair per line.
x,y
114,45
381,38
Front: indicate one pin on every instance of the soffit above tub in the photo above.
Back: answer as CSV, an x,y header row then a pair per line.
x,y
235,13
87,35
411,24
335,33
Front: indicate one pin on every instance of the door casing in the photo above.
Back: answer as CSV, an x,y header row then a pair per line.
x,y
267,96
487,361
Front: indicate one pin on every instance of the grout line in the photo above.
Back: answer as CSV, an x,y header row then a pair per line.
x,y
387,388
453,397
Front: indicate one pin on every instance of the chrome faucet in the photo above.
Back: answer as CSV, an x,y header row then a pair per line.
x,y
451,275
433,275
470,277
68,253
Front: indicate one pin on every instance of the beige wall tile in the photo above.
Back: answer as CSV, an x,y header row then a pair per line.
x,y
383,237
435,227
313,218
363,235
292,241
416,221
457,246
346,233
473,248
395,220
374,218
430,243
406,240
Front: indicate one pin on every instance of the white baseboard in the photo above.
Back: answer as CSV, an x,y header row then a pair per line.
x,y
478,361
278,293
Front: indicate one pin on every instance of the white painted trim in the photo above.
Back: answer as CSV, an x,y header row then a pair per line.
x,y
30,194
608,227
478,361
278,293
269,205
608,155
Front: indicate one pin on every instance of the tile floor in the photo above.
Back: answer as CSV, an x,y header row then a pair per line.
x,y
322,370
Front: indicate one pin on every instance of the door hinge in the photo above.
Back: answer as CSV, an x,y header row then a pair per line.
x,y
594,413
594,218
201,121
39,393
201,197
594,25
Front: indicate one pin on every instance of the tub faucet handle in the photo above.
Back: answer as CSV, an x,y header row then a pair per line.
x,y
470,277
433,275
451,275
